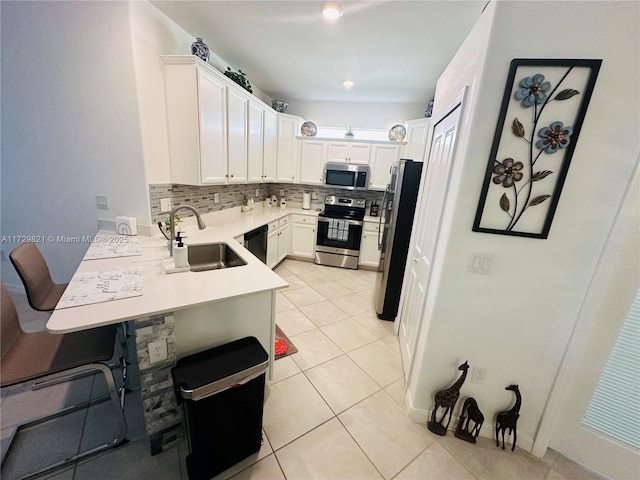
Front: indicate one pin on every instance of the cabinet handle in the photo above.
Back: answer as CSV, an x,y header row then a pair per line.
x,y
232,175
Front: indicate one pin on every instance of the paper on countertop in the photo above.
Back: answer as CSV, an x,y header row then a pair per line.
x,y
111,246
102,286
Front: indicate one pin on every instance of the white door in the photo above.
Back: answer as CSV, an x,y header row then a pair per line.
x,y
606,305
432,196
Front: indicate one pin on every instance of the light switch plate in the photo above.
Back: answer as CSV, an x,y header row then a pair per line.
x,y
480,263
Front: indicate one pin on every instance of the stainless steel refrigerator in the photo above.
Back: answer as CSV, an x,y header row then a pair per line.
x,y
396,222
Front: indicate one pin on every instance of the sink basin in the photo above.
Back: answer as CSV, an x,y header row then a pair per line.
x,y
213,256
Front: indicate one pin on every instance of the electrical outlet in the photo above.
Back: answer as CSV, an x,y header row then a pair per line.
x,y
257,192
216,199
314,195
157,351
478,375
282,192
101,202
165,205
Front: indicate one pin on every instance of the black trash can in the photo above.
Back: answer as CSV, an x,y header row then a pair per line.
x,y
222,393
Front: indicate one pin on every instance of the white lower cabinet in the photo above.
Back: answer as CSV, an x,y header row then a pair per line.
x,y
369,252
284,238
272,244
278,241
303,236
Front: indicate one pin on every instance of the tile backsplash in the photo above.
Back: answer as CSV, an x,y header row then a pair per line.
x,y
229,196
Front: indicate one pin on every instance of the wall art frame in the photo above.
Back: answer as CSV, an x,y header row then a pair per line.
x,y
543,108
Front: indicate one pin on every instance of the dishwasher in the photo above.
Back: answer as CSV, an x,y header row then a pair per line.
x,y
256,242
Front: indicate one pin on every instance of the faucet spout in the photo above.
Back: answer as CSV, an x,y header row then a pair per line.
x,y
172,223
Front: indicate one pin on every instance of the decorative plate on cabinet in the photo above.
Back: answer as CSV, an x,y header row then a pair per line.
x,y
397,133
309,129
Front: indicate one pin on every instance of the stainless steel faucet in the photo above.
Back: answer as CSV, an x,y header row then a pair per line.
x,y
172,223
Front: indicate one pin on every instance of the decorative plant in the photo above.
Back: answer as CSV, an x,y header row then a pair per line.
x,y
349,132
535,93
240,78
167,223
245,200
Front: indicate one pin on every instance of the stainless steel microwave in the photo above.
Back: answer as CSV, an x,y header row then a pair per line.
x,y
350,176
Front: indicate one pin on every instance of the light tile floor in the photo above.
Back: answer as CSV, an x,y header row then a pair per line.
x,y
335,409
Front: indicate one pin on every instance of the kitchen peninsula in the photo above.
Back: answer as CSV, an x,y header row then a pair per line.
x,y
190,311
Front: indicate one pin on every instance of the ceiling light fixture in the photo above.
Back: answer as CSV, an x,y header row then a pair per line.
x,y
348,83
331,12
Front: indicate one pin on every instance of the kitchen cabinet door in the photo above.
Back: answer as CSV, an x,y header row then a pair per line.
x,y
418,132
255,142
284,239
237,103
270,146
213,145
287,158
382,157
197,125
349,152
369,252
313,156
303,236
272,244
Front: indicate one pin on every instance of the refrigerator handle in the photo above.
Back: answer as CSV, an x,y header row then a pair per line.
x,y
384,209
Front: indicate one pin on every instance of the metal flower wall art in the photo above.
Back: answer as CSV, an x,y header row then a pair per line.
x,y
543,108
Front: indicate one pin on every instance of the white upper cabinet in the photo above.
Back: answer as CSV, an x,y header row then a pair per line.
x,y
287,157
237,111
197,125
255,142
313,156
270,145
218,132
382,157
418,132
349,152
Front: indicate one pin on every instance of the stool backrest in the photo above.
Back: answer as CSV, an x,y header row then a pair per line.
x,y
9,323
34,273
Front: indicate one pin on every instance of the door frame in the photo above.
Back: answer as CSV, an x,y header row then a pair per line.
x,y
603,311
459,101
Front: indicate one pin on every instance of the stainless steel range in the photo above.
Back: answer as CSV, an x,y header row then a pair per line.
x,y
340,232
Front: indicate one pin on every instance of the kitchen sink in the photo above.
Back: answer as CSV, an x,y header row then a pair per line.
x,y
213,256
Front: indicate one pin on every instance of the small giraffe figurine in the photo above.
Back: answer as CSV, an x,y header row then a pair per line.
x,y
470,412
507,420
447,399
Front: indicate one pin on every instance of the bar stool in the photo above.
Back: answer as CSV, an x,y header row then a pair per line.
x,y
47,359
44,294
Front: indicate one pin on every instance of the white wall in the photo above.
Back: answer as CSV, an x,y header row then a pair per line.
x,y
517,321
381,116
69,125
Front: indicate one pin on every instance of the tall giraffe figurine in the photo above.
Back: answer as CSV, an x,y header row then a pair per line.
x,y
447,399
508,419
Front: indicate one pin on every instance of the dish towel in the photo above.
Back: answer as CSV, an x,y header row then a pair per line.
x,y
338,229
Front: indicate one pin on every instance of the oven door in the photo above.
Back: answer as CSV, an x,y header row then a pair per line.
x,y
328,242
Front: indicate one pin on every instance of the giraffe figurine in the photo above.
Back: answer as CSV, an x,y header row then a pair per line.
x,y
507,420
447,400
470,413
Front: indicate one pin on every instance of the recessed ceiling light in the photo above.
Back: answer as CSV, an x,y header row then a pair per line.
x,y
348,83
331,12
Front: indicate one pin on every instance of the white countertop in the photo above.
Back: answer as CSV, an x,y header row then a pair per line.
x,y
170,292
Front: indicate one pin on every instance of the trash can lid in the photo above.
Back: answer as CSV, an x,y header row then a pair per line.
x,y
215,364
